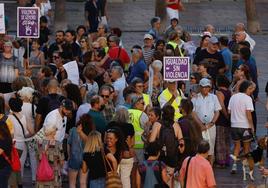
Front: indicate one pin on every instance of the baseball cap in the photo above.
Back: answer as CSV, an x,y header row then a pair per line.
x,y
68,104
214,40
148,36
204,82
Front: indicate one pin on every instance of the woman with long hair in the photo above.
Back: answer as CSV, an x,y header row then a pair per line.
x,y
75,149
5,147
223,123
158,132
95,159
121,122
241,74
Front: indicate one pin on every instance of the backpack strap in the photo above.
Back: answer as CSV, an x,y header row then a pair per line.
x,y
119,52
20,124
186,172
4,118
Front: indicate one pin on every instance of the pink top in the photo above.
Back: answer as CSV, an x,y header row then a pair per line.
x,y
200,173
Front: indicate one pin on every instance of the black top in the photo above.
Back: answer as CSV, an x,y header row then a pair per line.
x,y
6,146
215,61
95,164
44,106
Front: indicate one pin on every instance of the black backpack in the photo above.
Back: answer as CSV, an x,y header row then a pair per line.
x,y
169,144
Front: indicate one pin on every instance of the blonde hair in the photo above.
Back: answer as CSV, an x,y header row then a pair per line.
x,y
26,93
93,142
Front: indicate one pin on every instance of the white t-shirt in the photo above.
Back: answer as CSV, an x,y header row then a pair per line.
x,y
205,107
119,85
54,119
238,105
27,112
18,133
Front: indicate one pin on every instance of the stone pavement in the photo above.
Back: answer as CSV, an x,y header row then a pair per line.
x,y
133,17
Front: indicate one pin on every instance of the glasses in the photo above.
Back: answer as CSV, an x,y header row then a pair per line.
x,y
105,96
96,48
56,57
63,123
82,41
181,145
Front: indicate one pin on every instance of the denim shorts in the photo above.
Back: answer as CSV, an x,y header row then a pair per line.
x,y
97,183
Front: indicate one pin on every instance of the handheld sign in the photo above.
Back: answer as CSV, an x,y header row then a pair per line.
x,y
176,68
28,22
2,19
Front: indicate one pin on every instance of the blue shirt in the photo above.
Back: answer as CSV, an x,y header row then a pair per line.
x,y
137,70
227,57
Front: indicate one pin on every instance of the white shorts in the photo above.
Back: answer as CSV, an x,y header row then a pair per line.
x,y
210,136
172,13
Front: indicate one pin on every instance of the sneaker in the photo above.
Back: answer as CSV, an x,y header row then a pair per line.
x,y
234,169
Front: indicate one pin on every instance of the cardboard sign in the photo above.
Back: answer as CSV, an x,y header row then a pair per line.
x,y
176,68
28,22
2,19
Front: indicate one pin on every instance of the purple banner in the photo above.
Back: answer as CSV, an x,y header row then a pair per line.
x,y
28,22
176,68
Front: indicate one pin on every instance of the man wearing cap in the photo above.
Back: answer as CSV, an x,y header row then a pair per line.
x,y
58,119
148,49
171,96
213,57
206,112
9,68
118,53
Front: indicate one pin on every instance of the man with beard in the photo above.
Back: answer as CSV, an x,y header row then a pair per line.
x,y
57,45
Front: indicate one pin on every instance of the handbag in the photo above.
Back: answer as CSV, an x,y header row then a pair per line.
x,y
15,159
112,179
44,171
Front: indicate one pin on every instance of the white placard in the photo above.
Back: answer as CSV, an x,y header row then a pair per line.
x,y
72,71
2,19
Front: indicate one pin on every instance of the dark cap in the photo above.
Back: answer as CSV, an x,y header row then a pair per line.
x,y
68,104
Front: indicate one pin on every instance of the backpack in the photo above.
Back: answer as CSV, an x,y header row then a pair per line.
x,y
169,144
53,103
150,179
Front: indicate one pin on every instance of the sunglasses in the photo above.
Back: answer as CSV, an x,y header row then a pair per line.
x,y
64,123
105,96
192,77
56,57
181,145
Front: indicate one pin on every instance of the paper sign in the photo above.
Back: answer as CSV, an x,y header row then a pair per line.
x,y
28,22
2,19
176,68
72,71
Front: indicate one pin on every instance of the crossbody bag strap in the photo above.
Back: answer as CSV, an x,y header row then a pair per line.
x,y
20,124
186,173
6,157
119,52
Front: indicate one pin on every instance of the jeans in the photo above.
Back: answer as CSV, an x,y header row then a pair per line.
x,y
125,168
97,183
4,175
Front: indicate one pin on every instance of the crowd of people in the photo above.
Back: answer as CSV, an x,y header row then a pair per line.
x,y
123,117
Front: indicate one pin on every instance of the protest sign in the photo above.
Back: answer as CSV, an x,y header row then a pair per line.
x,y
2,19
72,71
28,22
176,68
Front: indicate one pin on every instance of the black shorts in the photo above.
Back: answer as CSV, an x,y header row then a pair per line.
x,y
241,134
